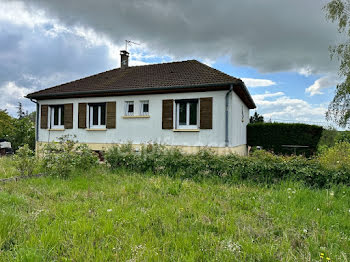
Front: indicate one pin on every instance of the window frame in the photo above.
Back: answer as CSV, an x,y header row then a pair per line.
x,y
142,112
53,109
99,114
177,113
126,109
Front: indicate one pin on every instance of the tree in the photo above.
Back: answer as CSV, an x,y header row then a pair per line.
x,y
339,109
20,112
19,131
256,118
6,125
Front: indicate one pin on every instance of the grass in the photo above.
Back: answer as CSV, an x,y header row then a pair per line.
x,y
100,215
7,168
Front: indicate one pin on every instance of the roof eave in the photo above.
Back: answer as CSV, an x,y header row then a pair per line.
x,y
251,104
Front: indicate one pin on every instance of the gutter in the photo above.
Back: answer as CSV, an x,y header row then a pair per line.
x,y
124,90
36,120
226,115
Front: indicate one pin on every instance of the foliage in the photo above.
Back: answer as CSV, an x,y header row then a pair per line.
x,y
6,125
256,118
24,133
60,159
339,109
25,160
337,157
100,215
271,136
262,167
330,137
18,131
343,136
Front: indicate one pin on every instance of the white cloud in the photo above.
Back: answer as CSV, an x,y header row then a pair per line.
x,y
321,84
280,107
11,94
255,82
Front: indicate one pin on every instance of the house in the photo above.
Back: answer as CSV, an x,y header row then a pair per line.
x,y
186,104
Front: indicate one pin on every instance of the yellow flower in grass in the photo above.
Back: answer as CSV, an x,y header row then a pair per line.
x,y
328,259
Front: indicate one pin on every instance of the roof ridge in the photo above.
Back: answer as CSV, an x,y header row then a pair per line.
x,y
166,63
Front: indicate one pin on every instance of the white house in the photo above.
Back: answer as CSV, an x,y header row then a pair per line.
x,y
186,104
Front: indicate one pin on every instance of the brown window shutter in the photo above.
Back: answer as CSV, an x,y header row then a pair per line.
x,y
167,114
82,115
68,116
44,116
206,113
111,114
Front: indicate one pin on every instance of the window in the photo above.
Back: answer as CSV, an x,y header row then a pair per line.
x,y
144,108
57,116
186,114
97,113
129,108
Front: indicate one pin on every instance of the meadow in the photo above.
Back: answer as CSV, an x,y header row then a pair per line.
x,y
121,215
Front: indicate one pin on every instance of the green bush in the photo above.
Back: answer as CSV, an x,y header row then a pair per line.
x,y
60,159
25,161
343,136
271,136
337,157
261,167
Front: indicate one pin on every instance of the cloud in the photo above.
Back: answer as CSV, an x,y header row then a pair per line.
x,y
253,82
252,33
11,94
280,107
321,84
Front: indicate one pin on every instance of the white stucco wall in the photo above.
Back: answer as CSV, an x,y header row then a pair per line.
x,y
145,130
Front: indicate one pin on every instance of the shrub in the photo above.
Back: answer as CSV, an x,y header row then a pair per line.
x,y
59,159
261,167
25,161
343,136
271,136
337,157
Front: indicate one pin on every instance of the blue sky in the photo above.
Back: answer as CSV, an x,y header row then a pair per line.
x,y
284,61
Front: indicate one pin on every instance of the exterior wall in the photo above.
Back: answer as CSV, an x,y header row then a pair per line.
x,y
238,121
149,130
240,150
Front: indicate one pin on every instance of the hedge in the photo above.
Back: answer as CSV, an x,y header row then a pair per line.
x,y
271,136
261,166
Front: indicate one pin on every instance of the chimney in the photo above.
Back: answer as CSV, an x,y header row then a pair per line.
x,y
124,59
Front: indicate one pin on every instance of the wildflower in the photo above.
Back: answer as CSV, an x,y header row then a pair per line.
x,y
109,210
331,193
318,209
328,259
305,230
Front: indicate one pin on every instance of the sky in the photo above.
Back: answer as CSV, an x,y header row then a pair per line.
x,y
280,49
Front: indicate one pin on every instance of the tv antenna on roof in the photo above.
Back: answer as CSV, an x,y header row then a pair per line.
x,y
128,42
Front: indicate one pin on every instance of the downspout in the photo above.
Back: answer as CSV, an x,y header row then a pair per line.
x,y
36,120
226,114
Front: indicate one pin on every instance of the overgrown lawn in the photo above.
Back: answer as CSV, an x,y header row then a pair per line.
x,y
123,216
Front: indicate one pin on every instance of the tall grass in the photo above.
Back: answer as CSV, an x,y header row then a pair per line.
x,y
100,215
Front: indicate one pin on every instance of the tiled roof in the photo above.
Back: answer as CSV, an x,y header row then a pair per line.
x,y
185,74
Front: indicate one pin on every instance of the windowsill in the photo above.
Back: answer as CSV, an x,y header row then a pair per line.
x,y
186,130
56,129
96,129
135,116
